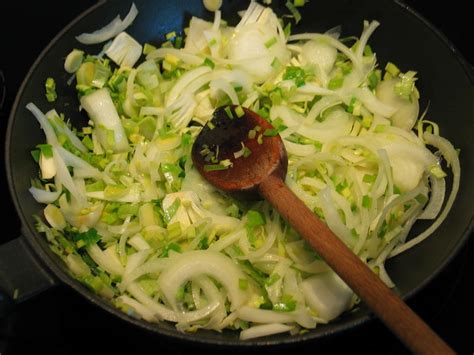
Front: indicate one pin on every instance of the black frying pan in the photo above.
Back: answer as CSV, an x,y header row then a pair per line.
x,y
26,264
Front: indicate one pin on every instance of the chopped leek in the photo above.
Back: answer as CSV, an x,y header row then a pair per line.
x,y
50,87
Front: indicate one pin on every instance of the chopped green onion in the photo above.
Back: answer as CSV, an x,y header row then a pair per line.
x,y
270,132
239,111
86,238
148,48
211,125
228,111
209,63
369,178
295,73
276,64
255,219
243,284
392,69
287,30
406,86
212,42
270,42
294,11
368,51
354,107
215,167
260,139
36,155
374,79
50,86
252,134
170,35
178,42
437,171
46,150
175,247
272,279
367,121
335,83
422,199
287,304
247,152
366,201
174,230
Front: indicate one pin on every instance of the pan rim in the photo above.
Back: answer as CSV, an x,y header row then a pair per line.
x,y
61,274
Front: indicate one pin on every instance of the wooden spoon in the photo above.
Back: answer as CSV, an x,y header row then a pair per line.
x,y
262,173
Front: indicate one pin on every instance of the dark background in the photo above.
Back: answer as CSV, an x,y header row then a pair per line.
x,y
60,321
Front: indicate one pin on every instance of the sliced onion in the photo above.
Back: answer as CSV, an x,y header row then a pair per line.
x,y
111,30
139,308
257,315
43,196
333,219
258,331
438,190
106,259
451,156
45,125
191,264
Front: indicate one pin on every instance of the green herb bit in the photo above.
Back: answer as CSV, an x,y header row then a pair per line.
x,y
212,42
368,51
178,42
270,42
272,279
252,133
247,152
270,132
254,219
170,35
296,74
392,69
86,238
36,155
366,201
374,79
287,30
148,48
287,304
276,64
228,111
335,83
50,86
294,11
215,167
369,178
209,63
243,284
239,111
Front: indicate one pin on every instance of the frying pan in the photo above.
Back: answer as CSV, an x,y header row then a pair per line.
x,y
27,264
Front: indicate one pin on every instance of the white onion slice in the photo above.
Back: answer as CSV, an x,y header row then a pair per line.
x,y
264,330
43,196
111,30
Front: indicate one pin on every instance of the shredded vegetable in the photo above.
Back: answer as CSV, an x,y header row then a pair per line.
x,y
135,222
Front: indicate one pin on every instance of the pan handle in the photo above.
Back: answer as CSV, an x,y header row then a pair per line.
x,y
21,275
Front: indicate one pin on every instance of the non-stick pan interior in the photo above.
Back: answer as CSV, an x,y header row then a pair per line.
x,y
403,38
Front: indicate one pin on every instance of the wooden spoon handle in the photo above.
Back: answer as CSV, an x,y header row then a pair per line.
x,y
389,307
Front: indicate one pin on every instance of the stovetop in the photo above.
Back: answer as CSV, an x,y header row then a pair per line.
x,y
62,321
